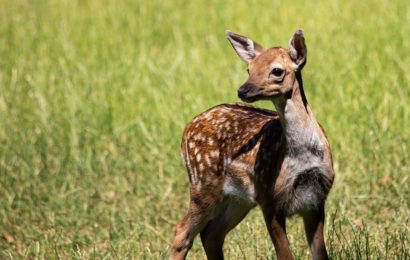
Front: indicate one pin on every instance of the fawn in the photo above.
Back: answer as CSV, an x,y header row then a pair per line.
x,y
239,156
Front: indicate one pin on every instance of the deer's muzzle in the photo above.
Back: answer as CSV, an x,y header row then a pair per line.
x,y
247,92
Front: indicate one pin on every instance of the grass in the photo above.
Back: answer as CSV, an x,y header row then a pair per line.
x,y
94,96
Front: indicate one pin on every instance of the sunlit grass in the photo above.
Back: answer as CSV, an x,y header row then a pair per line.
x,y
94,96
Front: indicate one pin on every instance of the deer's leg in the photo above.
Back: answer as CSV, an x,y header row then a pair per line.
x,y
314,222
276,224
213,235
186,230
202,208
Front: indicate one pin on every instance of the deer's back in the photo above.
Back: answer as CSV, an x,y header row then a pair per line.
x,y
220,148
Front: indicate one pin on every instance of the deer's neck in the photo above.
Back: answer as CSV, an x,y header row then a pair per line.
x,y
301,130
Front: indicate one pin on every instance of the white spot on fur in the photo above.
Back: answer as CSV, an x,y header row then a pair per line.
x,y
198,186
210,141
219,135
187,160
235,125
222,120
192,171
214,153
208,160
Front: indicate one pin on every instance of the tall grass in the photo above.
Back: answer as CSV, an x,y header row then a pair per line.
x,y
94,96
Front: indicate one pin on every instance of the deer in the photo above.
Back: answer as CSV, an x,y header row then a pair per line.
x,y
239,156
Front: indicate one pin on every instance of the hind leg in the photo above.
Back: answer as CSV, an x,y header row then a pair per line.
x,y
213,235
186,230
201,210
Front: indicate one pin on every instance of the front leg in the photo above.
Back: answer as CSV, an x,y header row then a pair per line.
x,y
314,222
276,224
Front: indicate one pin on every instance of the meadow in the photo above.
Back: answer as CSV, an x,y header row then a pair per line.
x,y
94,97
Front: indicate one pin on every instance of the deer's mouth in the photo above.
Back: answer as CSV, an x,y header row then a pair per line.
x,y
250,99
249,93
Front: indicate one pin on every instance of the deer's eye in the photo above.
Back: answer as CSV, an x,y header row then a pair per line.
x,y
277,72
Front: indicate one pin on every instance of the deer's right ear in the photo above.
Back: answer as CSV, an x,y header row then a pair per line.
x,y
245,47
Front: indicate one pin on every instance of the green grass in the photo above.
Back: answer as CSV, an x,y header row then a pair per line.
x,y
94,96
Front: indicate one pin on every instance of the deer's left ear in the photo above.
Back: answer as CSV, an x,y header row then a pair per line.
x,y
246,48
297,49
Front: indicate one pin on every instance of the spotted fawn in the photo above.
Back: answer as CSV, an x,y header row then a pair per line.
x,y
239,156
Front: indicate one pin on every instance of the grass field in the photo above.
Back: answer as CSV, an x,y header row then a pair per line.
x,y
94,96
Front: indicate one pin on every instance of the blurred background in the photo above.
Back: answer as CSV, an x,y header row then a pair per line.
x,y
94,96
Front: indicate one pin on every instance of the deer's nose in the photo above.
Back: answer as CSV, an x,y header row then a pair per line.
x,y
244,90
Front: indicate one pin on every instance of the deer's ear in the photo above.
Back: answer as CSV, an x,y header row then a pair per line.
x,y
297,49
245,47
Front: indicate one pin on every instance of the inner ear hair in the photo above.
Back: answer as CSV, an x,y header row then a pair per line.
x,y
246,48
297,48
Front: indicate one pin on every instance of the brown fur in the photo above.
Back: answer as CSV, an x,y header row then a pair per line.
x,y
239,156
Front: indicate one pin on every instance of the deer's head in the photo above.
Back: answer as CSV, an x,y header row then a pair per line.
x,y
272,72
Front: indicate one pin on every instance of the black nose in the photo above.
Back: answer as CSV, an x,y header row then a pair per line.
x,y
243,91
